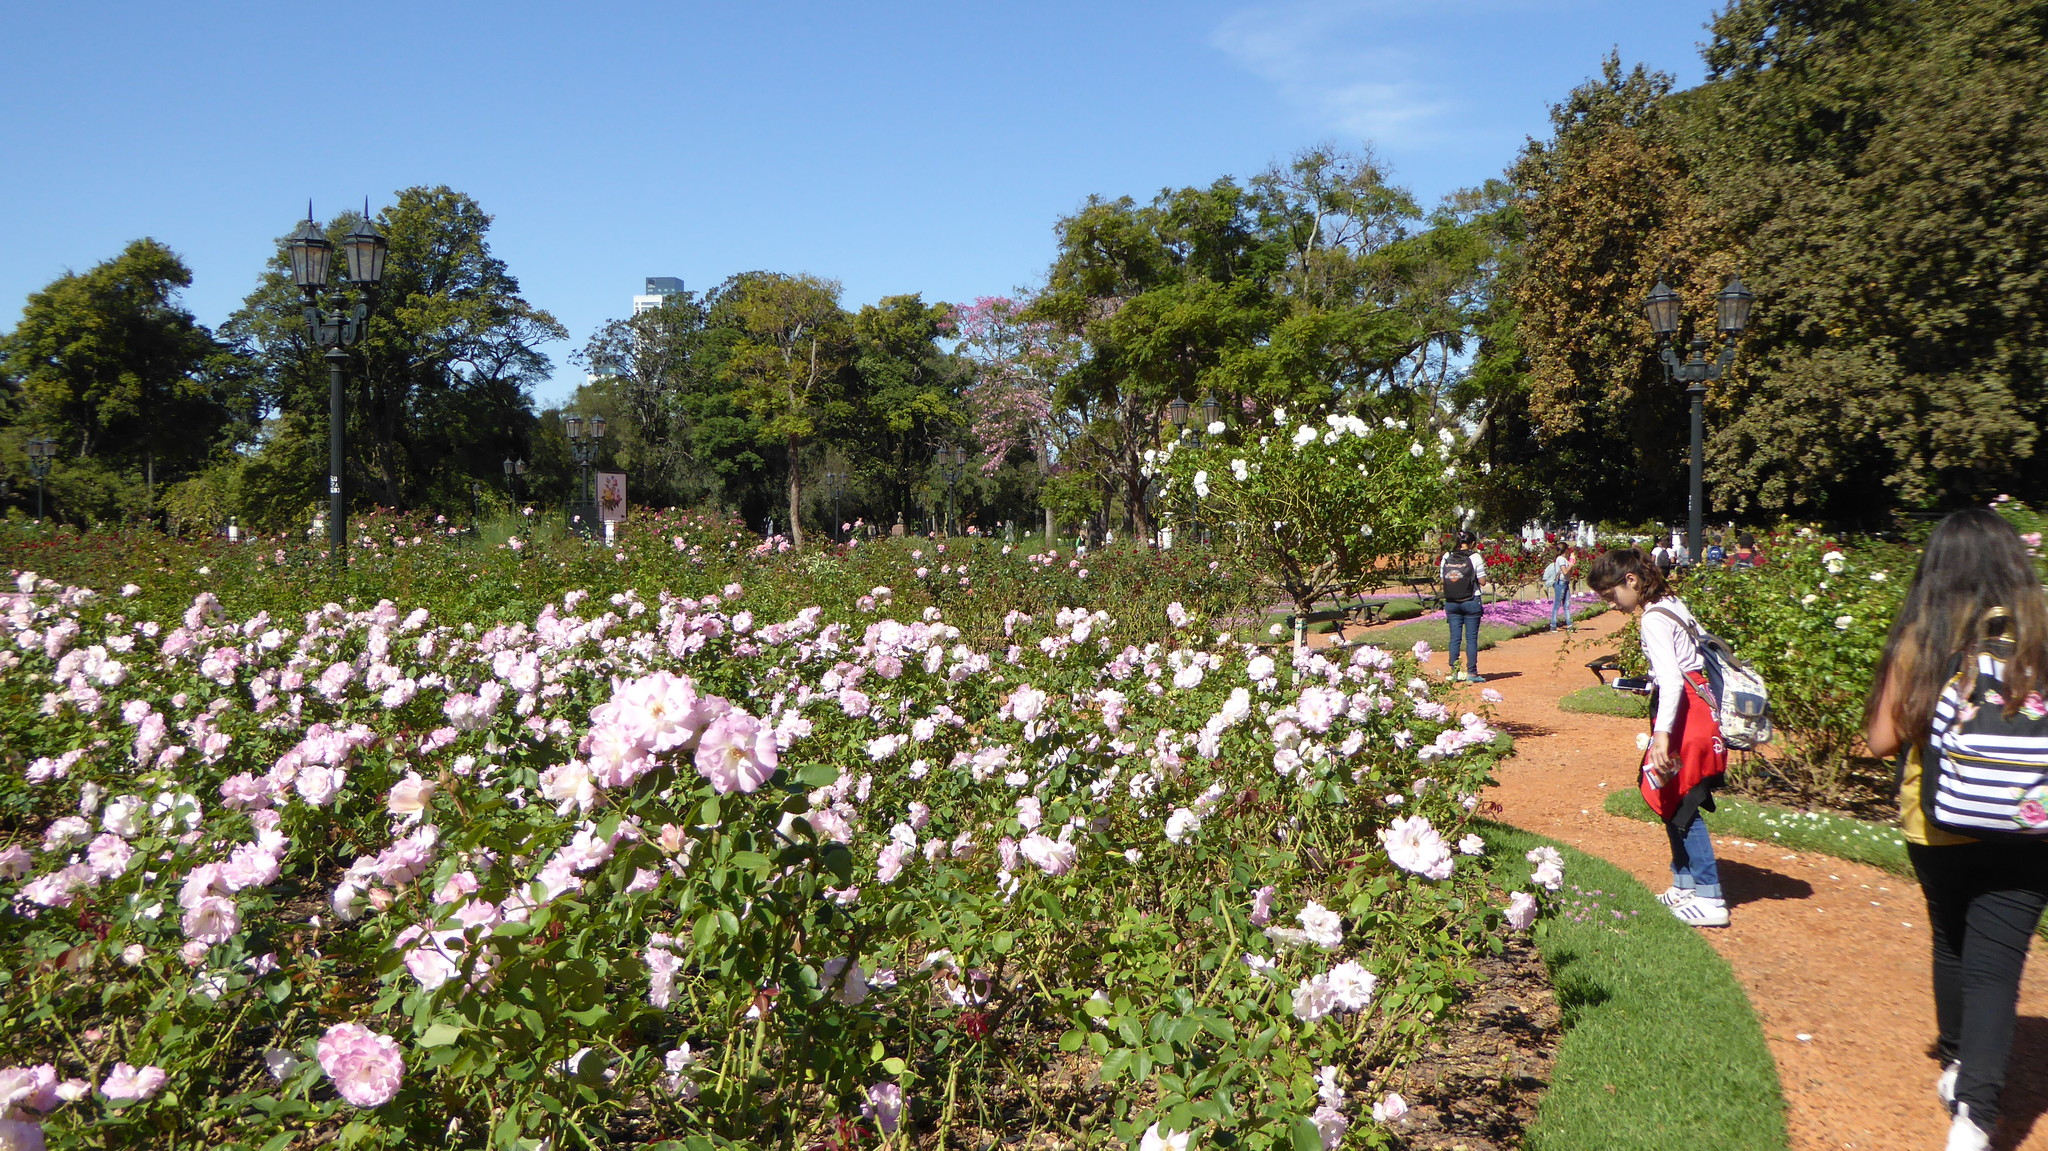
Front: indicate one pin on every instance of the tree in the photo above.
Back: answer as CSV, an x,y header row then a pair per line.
x,y
1019,364
107,363
791,340
1609,208
438,388
1315,502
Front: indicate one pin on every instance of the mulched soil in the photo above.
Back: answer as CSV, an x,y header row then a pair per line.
x,y
1478,1086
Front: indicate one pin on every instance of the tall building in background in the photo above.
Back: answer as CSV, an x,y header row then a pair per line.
x,y
659,288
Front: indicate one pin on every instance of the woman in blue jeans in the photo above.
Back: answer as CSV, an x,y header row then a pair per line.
x,y
1463,574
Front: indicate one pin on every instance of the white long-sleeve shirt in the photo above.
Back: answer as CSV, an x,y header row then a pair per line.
x,y
1669,647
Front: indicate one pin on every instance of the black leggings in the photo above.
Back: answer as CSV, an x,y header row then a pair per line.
x,y
1983,903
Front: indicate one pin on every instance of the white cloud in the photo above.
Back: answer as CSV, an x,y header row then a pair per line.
x,y
1393,72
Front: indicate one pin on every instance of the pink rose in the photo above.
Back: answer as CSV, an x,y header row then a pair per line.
x,y
133,1082
737,752
365,1066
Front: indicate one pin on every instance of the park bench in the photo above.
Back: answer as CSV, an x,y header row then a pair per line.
x,y
1427,589
1363,612
1601,665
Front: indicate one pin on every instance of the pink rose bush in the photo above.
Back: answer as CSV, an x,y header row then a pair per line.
x,y
613,847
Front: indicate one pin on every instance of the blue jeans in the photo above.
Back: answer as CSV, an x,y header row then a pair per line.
x,y
1561,604
1464,617
1692,859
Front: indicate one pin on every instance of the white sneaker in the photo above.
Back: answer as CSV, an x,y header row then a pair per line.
x,y
1965,1135
1701,911
1674,895
1945,1087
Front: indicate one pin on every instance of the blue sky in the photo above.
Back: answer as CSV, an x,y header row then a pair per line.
x,y
902,147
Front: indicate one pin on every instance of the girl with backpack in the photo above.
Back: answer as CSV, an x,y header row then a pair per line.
x,y
1686,759
1968,657
1463,573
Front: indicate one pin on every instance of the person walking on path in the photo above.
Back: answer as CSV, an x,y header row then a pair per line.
x,y
1976,598
1463,574
1685,761
1558,579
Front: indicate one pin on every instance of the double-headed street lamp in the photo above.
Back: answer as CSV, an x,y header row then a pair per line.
x,y
583,449
952,466
337,326
42,451
1731,316
513,470
1177,411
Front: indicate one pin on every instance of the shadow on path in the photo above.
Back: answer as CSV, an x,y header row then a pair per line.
x,y
1748,883
2025,1098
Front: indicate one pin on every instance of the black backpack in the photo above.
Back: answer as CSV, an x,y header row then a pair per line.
x,y
1460,579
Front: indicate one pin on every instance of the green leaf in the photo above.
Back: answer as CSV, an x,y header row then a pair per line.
x,y
1305,1136
441,1035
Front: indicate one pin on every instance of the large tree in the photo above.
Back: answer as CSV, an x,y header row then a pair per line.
x,y
126,380
438,390
791,342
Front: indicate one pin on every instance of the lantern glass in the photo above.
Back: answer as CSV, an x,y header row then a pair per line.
x,y
1732,306
310,253
959,456
1662,307
597,427
1209,410
575,428
1177,411
508,467
366,250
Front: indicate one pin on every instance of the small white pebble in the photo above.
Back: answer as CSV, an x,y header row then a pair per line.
x,y
1803,1037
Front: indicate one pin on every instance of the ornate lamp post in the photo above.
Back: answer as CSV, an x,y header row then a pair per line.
x,y
1695,371
339,325
952,466
583,449
513,470
41,453
835,485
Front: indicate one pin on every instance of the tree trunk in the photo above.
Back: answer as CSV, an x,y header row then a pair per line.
x,y
796,529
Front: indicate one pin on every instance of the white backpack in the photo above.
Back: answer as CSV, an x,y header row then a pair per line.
x,y
1742,703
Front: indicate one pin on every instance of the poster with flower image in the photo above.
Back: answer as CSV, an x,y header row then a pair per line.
x,y
611,497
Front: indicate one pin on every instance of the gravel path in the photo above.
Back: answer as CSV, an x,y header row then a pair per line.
x,y
1832,954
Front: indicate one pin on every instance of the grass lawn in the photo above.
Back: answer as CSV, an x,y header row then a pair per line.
x,y
1645,998
1877,844
1606,701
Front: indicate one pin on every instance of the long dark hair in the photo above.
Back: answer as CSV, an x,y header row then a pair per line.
x,y
1612,569
1975,581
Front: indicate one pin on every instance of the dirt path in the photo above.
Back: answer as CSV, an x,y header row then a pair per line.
x,y
1834,955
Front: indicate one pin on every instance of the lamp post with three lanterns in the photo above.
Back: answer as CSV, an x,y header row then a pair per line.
x,y
337,326
1695,371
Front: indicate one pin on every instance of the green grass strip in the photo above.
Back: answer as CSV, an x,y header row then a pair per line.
x,y
1606,701
1661,1047
1877,845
